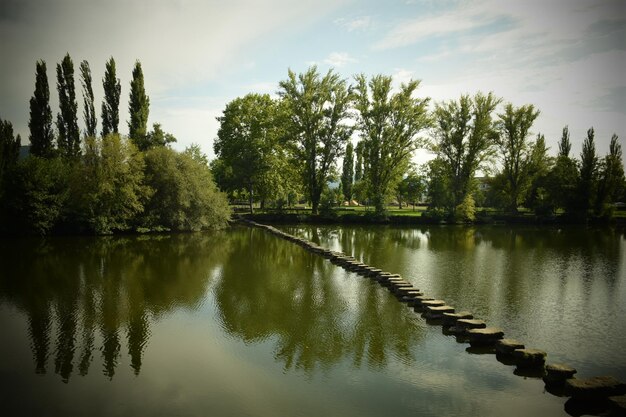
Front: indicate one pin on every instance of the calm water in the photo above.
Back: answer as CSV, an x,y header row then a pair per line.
x,y
243,323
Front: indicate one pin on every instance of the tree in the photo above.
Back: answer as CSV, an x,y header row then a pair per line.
x,y
389,125
539,167
40,123
9,149
185,196
464,137
138,108
347,174
68,141
358,168
562,179
588,173
410,188
89,110
318,108
158,137
111,103
611,178
248,144
515,150
107,191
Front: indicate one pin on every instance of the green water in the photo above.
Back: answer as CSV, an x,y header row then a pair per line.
x,y
240,322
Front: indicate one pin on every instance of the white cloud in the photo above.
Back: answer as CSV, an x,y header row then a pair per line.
x,y
359,23
339,59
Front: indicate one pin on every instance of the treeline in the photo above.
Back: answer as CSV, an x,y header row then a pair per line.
x,y
82,182
281,151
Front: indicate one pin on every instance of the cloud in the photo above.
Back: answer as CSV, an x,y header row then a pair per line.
x,y
355,24
339,59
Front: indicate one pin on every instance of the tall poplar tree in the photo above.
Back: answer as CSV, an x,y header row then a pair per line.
x,y
318,107
138,108
588,170
67,119
9,149
347,174
40,123
111,103
89,111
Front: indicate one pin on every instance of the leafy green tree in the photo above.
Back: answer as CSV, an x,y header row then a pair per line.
x,y
347,174
40,124
318,108
185,196
561,181
358,167
107,191
9,150
138,108
464,138
588,173
248,144
68,141
611,178
89,110
539,167
389,124
515,151
158,137
411,188
111,103
36,195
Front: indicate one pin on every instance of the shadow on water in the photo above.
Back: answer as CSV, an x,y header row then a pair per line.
x,y
95,292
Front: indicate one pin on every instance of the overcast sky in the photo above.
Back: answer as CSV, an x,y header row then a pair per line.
x,y
566,57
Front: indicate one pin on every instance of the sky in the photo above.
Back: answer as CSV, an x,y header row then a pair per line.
x,y
566,57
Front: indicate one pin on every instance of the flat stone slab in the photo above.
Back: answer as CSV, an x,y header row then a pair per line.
x,y
529,358
417,301
507,346
558,372
406,290
436,312
433,303
449,319
471,324
484,336
618,403
594,388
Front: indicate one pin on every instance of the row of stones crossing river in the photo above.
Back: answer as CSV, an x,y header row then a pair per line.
x,y
603,394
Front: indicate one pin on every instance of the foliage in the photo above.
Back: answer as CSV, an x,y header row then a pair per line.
x,y
347,173
40,123
410,188
464,137
611,184
107,189
318,108
388,124
9,150
185,196
68,141
35,195
540,164
138,109
158,137
89,111
515,150
466,211
587,180
249,148
111,103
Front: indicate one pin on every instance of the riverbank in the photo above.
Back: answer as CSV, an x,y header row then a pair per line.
x,y
424,219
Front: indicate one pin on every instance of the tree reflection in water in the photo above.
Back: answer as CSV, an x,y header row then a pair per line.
x,y
94,292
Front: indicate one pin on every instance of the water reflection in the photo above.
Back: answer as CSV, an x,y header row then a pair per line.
x,y
316,313
83,297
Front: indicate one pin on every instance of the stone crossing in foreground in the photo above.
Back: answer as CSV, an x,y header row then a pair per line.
x,y
559,378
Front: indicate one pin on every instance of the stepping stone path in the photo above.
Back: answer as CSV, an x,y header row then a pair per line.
x,y
603,388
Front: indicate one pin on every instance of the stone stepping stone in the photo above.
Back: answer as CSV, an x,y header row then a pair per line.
x,y
421,306
417,301
410,297
449,319
484,336
594,388
399,286
557,373
529,358
386,276
618,404
436,312
507,346
406,290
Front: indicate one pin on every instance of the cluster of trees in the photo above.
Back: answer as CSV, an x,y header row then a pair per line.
x,y
282,150
75,181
